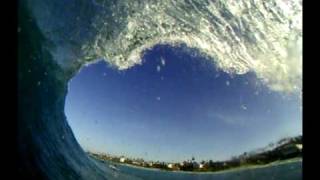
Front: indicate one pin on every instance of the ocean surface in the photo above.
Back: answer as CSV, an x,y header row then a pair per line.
x,y
280,170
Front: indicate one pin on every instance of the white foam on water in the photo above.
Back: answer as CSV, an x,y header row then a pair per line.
x,y
260,36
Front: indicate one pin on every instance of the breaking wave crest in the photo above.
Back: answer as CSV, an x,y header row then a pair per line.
x,y
240,36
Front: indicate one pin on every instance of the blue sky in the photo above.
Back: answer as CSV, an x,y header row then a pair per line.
x,y
174,106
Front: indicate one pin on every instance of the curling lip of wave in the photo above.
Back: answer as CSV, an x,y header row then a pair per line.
x,y
240,36
260,36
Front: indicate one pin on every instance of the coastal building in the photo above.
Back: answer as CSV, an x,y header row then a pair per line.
x,y
122,159
173,166
201,166
135,163
290,149
299,146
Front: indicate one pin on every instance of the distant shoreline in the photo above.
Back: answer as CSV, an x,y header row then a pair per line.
x,y
246,167
284,151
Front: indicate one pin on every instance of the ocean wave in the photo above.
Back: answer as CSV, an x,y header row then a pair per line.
x,y
239,36
57,37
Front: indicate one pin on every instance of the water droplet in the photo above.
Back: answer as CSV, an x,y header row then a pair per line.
x,y
158,98
158,68
163,62
227,83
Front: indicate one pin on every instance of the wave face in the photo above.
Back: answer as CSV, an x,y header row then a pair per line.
x,y
56,38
